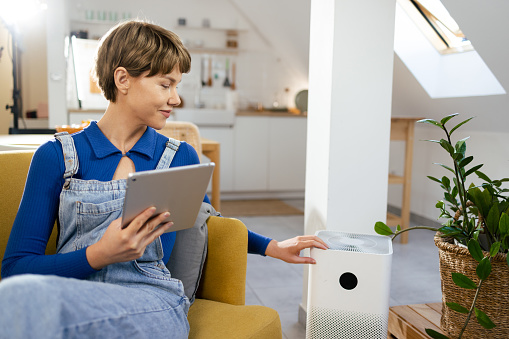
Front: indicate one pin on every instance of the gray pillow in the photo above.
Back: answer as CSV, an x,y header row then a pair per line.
x,y
189,252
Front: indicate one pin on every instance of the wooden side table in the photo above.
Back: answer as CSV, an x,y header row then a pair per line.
x,y
411,321
212,149
403,129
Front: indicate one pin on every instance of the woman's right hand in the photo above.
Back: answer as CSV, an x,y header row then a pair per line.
x,y
125,244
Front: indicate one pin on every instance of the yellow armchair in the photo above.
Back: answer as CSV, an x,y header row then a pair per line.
x,y
219,310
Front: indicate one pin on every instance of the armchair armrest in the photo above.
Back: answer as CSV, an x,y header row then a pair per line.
x,y
224,273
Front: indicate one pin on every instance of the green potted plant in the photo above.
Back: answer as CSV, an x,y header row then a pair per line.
x,y
473,243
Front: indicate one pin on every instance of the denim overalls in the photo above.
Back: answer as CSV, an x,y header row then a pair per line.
x,y
136,299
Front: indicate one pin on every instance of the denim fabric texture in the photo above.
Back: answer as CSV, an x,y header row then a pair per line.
x,y
136,299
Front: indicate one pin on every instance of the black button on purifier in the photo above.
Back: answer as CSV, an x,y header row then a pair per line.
x,y
348,281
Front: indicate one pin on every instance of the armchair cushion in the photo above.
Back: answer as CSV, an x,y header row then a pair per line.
x,y
214,320
189,252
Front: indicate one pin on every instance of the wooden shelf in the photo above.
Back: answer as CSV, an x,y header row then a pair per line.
x,y
218,29
396,179
205,50
393,219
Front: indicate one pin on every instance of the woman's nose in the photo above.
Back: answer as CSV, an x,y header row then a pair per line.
x,y
174,99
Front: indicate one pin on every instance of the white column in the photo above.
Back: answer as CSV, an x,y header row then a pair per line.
x,y
349,115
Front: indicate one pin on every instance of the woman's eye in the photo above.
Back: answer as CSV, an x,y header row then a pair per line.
x,y
166,86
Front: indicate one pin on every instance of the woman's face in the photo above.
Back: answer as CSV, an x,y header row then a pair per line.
x,y
151,99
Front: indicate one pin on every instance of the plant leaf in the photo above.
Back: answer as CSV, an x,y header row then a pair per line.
x,y
475,250
479,200
435,335
483,270
435,141
382,229
483,176
454,192
448,197
495,248
447,118
446,182
444,166
460,124
461,146
492,220
472,170
466,161
457,307
503,224
449,231
483,319
463,281
431,122
447,146
434,179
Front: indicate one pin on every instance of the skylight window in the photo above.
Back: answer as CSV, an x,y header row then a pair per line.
x,y
437,25
445,65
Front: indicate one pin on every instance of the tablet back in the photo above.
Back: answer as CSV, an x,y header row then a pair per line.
x,y
179,190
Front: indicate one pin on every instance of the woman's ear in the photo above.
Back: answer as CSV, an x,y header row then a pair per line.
x,y
121,77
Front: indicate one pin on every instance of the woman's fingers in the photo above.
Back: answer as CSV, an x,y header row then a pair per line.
x,y
157,233
139,221
310,243
320,243
151,224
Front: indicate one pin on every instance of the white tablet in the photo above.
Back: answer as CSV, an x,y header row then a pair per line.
x,y
178,190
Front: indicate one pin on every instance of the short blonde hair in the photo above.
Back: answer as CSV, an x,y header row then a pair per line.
x,y
139,47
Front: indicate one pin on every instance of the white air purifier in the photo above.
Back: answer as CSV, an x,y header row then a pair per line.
x,y
348,289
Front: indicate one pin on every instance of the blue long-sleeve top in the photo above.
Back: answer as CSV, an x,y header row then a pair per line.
x,y
98,160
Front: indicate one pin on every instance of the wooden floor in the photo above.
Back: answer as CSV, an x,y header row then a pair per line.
x,y
262,207
411,321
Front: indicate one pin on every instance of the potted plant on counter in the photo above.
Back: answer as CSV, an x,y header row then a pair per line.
x,y
473,244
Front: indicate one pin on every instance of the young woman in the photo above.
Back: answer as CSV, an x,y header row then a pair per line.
x,y
107,281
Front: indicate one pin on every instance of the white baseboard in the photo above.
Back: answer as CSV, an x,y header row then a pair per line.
x,y
302,315
261,195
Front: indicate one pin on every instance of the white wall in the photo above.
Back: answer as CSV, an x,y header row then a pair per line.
x,y
482,23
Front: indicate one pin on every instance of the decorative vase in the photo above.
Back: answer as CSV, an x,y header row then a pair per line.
x,y
493,298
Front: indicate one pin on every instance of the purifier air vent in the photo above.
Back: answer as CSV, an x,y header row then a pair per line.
x,y
326,323
362,243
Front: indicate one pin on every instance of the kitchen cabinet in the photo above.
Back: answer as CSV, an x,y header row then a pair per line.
x,y
270,154
251,148
287,153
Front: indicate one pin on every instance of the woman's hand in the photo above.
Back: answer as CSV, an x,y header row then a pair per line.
x,y
289,250
129,243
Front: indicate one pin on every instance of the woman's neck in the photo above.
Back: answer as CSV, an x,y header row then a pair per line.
x,y
119,130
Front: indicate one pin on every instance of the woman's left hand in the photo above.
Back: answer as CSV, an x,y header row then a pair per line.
x,y
289,250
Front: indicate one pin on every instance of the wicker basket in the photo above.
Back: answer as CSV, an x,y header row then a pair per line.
x,y
493,298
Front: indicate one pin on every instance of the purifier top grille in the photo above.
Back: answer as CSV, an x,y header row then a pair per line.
x,y
352,242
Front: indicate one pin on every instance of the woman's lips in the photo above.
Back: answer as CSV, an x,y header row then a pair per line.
x,y
166,113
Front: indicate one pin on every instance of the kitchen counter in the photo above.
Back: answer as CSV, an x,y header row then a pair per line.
x,y
266,113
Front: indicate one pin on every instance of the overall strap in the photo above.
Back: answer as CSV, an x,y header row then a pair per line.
x,y
70,156
172,147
